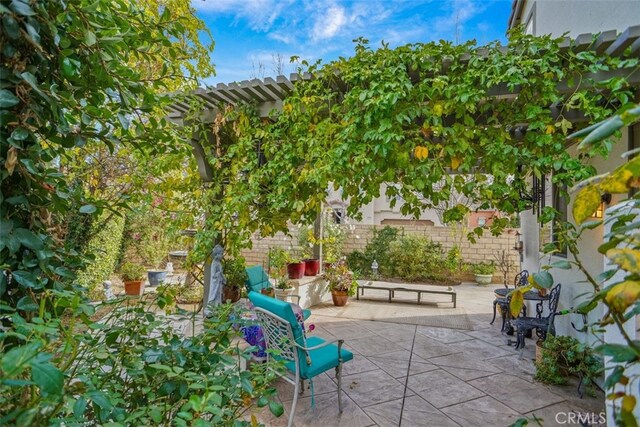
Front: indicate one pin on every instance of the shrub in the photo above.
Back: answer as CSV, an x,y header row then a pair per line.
x,y
377,249
104,248
132,367
235,272
130,271
484,268
562,356
147,237
416,258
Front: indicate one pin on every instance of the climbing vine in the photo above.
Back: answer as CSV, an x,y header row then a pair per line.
x,y
423,117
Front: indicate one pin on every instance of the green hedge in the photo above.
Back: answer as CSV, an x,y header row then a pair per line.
x,y
104,246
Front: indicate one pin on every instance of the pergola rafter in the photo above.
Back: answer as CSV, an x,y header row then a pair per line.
x,y
268,94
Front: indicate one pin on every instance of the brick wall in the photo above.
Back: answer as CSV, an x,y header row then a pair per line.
x,y
484,249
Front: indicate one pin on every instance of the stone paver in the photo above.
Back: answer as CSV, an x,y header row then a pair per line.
x,y
415,375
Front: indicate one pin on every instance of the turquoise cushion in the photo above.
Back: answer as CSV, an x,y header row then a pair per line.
x,y
322,359
281,309
257,279
306,313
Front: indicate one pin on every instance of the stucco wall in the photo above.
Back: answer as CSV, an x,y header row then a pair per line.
x,y
579,16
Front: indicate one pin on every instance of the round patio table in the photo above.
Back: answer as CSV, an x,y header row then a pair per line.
x,y
528,296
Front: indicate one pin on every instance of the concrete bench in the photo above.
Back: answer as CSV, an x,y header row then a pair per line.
x,y
392,292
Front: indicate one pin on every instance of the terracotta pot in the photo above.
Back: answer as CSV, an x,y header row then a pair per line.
x,y
339,298
295,271
268,292
311,267
134,287
230,293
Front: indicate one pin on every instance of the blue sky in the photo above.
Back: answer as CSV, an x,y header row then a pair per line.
x,y
251,34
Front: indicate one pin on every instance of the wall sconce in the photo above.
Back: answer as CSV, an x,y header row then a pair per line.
x,y
604,199
519,246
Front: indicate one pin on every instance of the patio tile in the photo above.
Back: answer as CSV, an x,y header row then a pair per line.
x,y
416,413
348,332
490,335
372,346
321,384
396,364
467,374
443,335
487,409
369,388
428,347
326,413
357,365
518,394
441,389
482,350
464,361
514,365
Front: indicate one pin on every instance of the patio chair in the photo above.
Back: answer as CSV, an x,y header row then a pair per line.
x,y
258,279
521,279
304,357
542,325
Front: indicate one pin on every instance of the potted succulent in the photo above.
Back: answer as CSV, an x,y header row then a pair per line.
x,y
295,266
307,240
133,277
484,272
236,274
341,282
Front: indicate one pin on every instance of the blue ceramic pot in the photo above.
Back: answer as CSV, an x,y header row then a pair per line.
x,y
156,277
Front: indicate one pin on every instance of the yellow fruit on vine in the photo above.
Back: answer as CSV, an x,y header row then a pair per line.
x,y
421,152
455,163
550,129
438,109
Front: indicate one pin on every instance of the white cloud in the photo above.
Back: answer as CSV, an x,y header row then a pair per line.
x,y
261,14
328,23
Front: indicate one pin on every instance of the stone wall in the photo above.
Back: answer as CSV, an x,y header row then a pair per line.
x,y
486,248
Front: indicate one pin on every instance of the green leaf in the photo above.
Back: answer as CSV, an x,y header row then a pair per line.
x,y
16,359
276,408
606,128
627,258
46,376
8,99
100,399
79,407
21,8
618,352
564,265
26,279
263,401
19,134
586,203
26,304
70,67
10,27
87,209
28,238
89,38
543,279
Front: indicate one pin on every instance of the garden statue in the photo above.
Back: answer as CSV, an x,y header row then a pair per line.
x,y
216,281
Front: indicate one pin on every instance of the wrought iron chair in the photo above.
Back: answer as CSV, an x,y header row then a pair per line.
x,y
542,325
304,357
521,279
258,279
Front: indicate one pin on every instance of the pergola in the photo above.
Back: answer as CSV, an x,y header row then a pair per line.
x,y
268,94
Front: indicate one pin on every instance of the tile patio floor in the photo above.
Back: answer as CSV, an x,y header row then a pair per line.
x,y
409,375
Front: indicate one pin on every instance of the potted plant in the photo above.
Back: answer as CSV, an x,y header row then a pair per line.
x,y
236,274
562,356
484,272
307,240
295,266
284,288
341,283
133,277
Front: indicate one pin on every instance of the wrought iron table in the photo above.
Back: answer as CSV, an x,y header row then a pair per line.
x,y
528,296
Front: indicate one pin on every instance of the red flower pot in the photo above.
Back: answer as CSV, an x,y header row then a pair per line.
x,y
311,267
296,271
